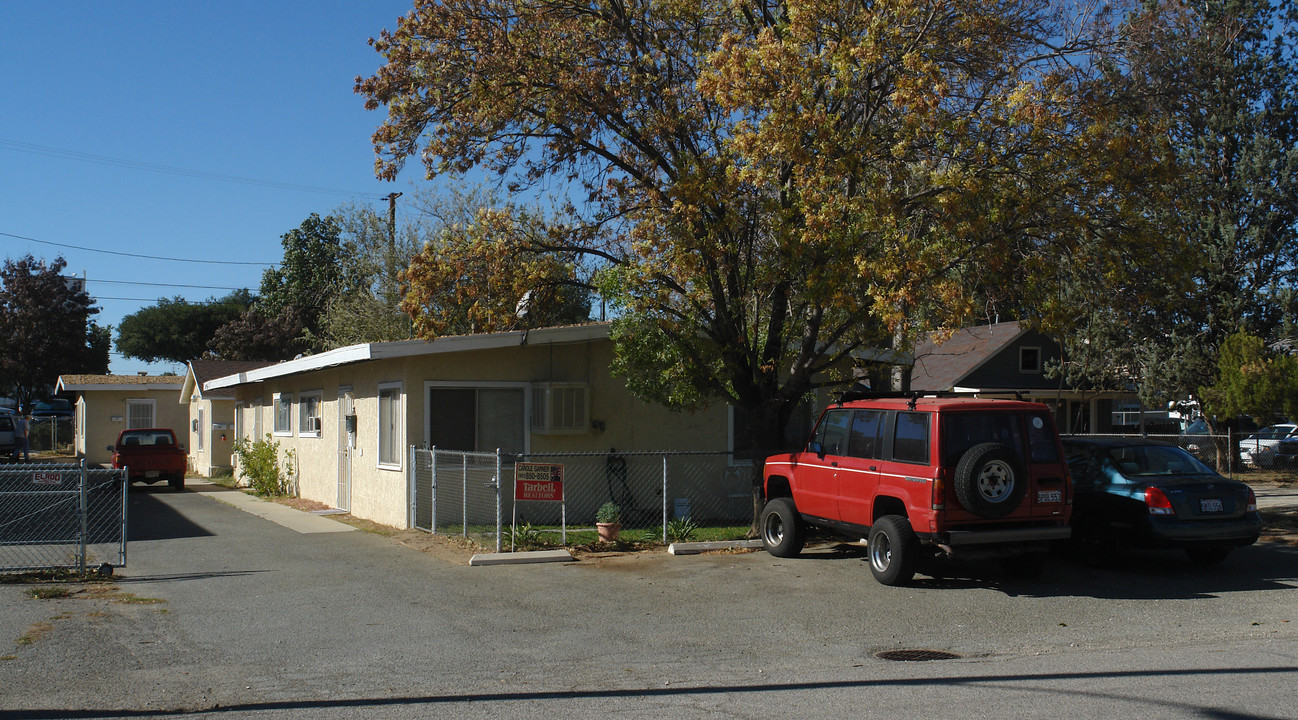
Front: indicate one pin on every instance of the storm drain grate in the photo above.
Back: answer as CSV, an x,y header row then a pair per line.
x,y
915,655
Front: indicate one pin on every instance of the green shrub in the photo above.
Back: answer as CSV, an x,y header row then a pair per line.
x,y
259,463
608,513
524,538
681,530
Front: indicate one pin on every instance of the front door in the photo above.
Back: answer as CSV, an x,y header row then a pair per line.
x,y
346,446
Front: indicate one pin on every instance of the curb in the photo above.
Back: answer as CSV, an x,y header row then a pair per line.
x,y
521,558
694,548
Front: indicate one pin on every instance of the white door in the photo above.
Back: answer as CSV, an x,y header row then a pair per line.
x,y
346,446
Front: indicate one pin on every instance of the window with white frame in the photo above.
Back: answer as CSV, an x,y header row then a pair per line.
x,y
140,414
200,430
308,417
1029,359
390,435
560,408
284,414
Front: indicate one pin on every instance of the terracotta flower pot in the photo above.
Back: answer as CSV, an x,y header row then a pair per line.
x,y
608,531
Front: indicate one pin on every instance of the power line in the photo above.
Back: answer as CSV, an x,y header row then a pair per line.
x,y
48,151
176,285
97,298
136,255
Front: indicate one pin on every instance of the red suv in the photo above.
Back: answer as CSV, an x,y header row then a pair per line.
x,y
924,476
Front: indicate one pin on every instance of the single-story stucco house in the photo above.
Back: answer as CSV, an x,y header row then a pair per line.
x,y
350,415
211,415
107,404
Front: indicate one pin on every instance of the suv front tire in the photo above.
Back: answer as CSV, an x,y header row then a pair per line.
x,y
783,533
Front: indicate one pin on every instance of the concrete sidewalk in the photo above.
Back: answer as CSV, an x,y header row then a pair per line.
x,y
291,518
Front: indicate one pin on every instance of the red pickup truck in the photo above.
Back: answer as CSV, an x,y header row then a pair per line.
x,y
150,455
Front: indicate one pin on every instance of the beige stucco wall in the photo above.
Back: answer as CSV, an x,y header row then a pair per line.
x,y
213,455
379,492
104,416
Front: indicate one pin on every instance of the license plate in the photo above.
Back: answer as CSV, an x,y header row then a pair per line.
x,y
1211,505
1050,496
151,473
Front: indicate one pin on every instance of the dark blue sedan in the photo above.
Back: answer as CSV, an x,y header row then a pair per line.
x,y
1137,493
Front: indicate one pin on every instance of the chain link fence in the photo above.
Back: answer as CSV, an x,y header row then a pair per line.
x,y
458,493
52,434
55,516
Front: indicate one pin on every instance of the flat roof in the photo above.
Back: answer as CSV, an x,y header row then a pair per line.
x,y
412,348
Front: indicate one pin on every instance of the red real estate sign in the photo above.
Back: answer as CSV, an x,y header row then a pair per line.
x,y
538,481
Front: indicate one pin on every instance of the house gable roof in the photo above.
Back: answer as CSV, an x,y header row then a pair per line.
x,y
118,383
201,371
943,366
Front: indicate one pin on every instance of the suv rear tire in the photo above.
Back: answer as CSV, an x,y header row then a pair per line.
x,y
989,481
783,533
893,550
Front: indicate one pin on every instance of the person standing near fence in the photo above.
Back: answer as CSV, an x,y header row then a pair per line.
x,y
22,435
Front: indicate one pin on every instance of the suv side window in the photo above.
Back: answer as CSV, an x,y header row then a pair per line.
x,y
833,432
867,434
910,438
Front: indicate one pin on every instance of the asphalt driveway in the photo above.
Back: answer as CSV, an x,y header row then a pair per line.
x,y
222,612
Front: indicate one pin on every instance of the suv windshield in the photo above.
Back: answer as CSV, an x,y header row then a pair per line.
x,y
961,431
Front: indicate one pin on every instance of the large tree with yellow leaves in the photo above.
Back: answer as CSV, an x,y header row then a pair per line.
x,y
767,187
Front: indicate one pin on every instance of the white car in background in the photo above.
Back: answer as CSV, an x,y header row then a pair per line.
x,y
1259,449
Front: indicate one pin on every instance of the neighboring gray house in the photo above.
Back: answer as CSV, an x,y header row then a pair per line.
x,y
1006,357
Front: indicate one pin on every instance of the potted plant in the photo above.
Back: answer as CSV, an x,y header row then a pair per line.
x,y
608,522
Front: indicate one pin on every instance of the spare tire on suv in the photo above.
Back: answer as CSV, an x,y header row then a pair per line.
x,y
989,480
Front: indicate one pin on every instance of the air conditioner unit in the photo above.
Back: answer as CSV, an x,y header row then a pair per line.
x,y
560,408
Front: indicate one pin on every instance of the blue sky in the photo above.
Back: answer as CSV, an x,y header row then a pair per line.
x,y
257,91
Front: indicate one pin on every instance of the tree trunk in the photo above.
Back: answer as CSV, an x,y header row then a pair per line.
x,y
766,430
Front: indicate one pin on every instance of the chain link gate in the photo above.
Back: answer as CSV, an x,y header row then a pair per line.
x,y
457,493
55,516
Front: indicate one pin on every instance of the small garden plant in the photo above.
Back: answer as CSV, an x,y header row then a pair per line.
x,y
608,513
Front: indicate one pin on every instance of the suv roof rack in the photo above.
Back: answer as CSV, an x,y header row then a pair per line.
x,y
914,395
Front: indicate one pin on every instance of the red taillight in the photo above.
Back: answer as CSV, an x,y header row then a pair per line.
x,y
1252,501
939,490
1157,502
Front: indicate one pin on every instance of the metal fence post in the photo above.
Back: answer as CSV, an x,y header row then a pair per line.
x,y
85,526
126,487
664,498
1230,452
432,489
499,481
464,495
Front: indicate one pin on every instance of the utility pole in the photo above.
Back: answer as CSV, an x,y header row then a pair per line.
x,y
392,246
